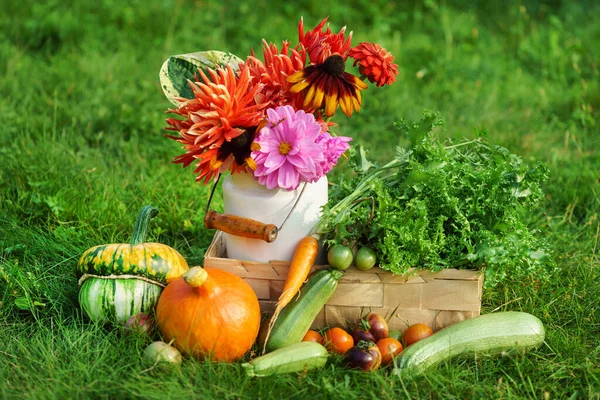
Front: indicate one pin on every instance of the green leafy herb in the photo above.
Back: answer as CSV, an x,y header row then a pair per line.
x,y
441,205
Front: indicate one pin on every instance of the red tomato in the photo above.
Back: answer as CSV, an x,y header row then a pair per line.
x,y
389,348
313,336
338,340
416,332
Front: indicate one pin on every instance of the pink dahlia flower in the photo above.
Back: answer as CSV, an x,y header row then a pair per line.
x,y
286,151
333,147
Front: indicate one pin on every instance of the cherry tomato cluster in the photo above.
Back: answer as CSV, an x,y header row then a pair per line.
x,y
341,257
370,345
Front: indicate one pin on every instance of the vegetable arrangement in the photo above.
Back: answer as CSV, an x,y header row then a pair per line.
x,y
401,215
214,315
435,205
439,205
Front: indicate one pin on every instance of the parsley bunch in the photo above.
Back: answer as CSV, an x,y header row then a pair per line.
x,y
441,205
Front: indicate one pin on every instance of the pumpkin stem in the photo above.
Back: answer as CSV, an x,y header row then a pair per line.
x,y
195,276
141,224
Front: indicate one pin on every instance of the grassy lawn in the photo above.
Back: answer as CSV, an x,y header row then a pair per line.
x,y
82,150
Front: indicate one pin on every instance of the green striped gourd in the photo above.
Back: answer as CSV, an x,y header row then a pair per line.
x,y
118,281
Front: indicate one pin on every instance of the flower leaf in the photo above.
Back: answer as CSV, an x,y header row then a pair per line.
x,y
359,161
177,70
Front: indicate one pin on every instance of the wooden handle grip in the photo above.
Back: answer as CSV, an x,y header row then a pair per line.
x,y
240,226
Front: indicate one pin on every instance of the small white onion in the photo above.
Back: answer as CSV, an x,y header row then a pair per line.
x,y
161,352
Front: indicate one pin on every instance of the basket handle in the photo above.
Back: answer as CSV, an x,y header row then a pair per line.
x,y
240,226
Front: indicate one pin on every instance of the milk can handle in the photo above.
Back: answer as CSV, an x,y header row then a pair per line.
x,y
240,226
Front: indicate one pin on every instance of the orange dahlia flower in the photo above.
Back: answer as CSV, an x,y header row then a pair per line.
x,y
375,62
218,123
272,74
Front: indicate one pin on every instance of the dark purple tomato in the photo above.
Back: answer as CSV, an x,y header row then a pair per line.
x,y
361,332
365,356
378,326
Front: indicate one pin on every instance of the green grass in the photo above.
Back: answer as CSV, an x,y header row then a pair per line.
x,y
82,150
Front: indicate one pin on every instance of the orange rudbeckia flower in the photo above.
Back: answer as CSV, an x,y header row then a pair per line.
x,y
328,85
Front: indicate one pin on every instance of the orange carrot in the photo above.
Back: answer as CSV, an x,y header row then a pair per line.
x,y
240,226
303,260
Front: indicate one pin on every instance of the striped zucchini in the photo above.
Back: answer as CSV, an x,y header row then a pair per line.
x,y
297,357
297,317
490,333
120,280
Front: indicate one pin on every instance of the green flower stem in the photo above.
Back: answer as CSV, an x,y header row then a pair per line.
x,y
341,209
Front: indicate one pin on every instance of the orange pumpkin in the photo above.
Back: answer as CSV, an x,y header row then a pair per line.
x,y
209,314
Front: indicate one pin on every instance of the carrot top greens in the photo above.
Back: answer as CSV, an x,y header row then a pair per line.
x,y
441,205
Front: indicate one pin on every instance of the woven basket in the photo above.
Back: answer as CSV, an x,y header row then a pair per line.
x,y
436,299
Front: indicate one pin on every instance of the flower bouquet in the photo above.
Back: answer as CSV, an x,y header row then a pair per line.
x,y
270,118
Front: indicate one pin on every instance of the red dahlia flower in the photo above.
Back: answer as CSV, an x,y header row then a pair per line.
x,y
375,62
219,122
320,45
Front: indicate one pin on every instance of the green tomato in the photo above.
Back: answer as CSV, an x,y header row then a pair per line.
x,y
396,334
339,256
365,259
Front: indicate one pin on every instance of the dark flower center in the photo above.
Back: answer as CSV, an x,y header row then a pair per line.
x,y
243,139
335,65
239,147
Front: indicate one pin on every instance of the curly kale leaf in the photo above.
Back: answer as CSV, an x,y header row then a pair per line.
x,y
442,205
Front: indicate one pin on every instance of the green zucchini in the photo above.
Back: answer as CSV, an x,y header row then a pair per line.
x,y
297,357
490,333
297,317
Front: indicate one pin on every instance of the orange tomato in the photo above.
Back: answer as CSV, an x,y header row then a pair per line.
x,y
338,340
416,332
313,336
389,348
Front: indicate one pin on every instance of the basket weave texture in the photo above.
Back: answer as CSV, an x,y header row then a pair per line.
x,y
436,299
